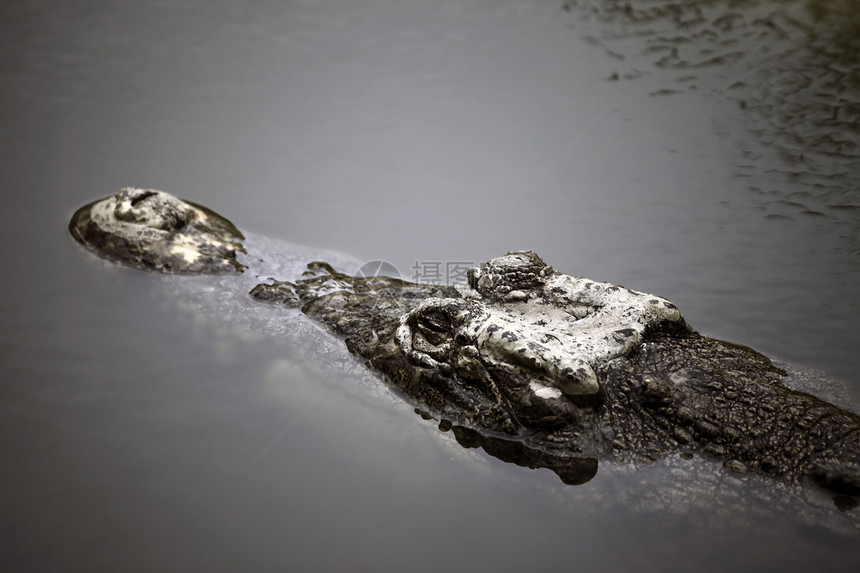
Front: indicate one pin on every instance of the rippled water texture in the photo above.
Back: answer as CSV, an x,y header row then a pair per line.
x,y
703,151
792,66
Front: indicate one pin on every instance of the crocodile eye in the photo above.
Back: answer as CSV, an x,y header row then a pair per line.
x,y
436,321
436,326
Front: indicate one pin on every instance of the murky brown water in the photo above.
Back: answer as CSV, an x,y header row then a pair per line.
x,y
704,151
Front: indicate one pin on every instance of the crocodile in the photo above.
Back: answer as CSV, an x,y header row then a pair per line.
x,y
153,230
536,367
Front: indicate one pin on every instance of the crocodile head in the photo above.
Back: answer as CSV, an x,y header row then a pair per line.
x,y
530,335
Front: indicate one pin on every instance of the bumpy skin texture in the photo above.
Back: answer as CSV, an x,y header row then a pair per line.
x,y
536,367
153,230
481,358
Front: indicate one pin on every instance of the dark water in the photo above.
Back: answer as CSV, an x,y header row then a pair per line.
x,y
704,151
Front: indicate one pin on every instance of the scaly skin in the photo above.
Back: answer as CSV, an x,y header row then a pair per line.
x,y
672,392
538,368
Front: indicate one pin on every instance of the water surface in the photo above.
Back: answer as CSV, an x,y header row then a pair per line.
x,y
702,151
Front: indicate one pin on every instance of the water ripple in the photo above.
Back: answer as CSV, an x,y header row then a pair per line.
x,y
792,69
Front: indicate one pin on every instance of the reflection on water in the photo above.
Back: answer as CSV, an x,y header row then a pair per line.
x,y
793,68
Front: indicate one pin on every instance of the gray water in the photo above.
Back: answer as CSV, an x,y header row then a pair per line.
x,y
703,151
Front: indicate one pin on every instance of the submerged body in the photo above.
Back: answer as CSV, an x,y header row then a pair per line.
x,y
548,370
491,367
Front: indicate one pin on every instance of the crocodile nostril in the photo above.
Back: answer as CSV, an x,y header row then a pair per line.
x,y
141,197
